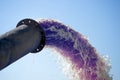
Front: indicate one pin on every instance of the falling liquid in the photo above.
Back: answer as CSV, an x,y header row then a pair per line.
x,y
85,63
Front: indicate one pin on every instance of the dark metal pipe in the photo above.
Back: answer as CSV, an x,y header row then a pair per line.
x,y
27,37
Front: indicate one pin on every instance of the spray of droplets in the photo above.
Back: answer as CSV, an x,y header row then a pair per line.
x,y
83,62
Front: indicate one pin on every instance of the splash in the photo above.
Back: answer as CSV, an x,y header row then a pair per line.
x,y
83,60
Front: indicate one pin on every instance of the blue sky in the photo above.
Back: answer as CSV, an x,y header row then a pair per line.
x,y
99,20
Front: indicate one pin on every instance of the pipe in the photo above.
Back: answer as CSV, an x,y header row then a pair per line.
x,y
27,37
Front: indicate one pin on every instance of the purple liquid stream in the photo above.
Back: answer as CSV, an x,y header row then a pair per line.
x,y
73,46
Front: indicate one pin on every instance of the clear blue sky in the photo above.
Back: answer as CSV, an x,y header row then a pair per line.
x,y
99,20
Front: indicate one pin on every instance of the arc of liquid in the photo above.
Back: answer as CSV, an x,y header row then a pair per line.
x,y
73,46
